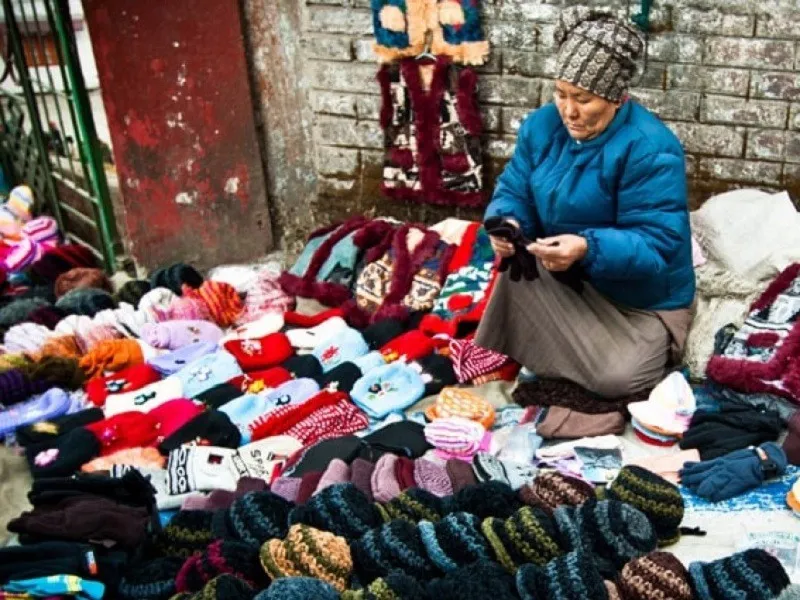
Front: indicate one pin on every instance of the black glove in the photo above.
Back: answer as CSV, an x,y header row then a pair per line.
x,y
734,427
520,264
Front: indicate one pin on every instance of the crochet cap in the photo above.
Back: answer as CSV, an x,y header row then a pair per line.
x,y
568,577
552,489
529,536
309,552
655,576
395,586
299,588
341,509
414,505
479,581
259,516
657,498
189,531
458,402
394,546
152,580
455,541
752,574
220,557
432,477
222,587
490,499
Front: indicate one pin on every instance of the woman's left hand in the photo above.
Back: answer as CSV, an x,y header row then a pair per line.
x,y
560,252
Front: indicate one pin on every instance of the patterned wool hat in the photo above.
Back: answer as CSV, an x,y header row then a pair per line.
x,y
484,579
655,576
259,516
491,499
414,505
432,477
455,541
189,531
490,468
394,546
384,479
152,580
657,498
553,489
567,577
341,509
529,536
395,586
222,587
752,574
308,552
458,402
611,531
220,557
597,52
299,588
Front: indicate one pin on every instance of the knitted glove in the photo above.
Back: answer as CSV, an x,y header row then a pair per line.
x,y
734,473
522,263
717,433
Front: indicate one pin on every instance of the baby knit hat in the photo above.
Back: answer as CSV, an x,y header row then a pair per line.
x,y
220,557
286,487
455,541
404,471
753,574
528,536
657,498
111,355
388,389
151,580
81,277
174,414
210,427
26,337
144,399
60,260
567,577
260,353
384,479
63,455
304,365
394,546
308,552
265,295
455,437
655,576
432,477
341,509
173,335
207,372
414,505
175,276
43,230
343,377
482,580
552,489
490,499
457,402
183,309
382,332
409,346
21,202
156,300
344,345
127,380
299,588
308,339
172,362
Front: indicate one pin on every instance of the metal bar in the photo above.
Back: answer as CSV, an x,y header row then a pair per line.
x,y
30,99
106,223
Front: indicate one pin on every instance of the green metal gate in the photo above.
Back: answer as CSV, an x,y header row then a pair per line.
x,y
47,132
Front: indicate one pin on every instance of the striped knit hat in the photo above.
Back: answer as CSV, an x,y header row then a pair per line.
x,y
222,587
187,532
529,536
455,541
569,577
220,557
752,574
309,552
414,505
657,498
222,300
152,580
490,499
299,588
341,509
482,580
655,576
395,546
553,489
259,516
395,586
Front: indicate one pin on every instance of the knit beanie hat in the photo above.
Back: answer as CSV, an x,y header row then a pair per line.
x,y
479,581
85,301
455,437
222,299
183,309
490,468
26,337
393,546
259,516
343,377
657,498
596,52
382,332
211,427
172,362
414,505
157,299
371,360
152,580
189,531
308,339
222,587
264,379
490,499
175,276
21,255
342,346
220,557
658,575
388,389
552,489
207,372
299,588
567,577
52,403
45,432
286,487
528,536
130,379
308,552
145,399
19,310
262,353
752,574
79,278
432,477
174,414
265,295
360,476
173,335
338,471
64,455
264,325
455,541
458,402
111,355
341,509
409,346
304,365
308,483
384,479
132,291
404,471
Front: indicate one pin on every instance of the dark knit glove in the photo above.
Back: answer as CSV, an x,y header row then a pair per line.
x,y
522,264
734,473
716,434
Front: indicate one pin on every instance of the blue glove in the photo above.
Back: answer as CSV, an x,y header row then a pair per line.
x,y
734,473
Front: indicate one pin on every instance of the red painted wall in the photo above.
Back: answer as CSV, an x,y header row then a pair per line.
x,y
176,91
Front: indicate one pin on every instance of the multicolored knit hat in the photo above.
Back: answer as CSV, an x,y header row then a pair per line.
x,y
458,402
568,577
752,575
299,588
222,300
414,505
553,489
188,532
655,576
341,509
455,541
308,552
42,229
484,579
529,536
259,516
490,499
395,586
223,587
220,557
395,546
657,498
461,474
152,580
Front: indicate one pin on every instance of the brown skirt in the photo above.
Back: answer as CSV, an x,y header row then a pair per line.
x,y
584,338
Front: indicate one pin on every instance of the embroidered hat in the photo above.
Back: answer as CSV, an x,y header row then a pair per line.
x,y
125,430
261,353
340,508
304,365
343,377
174,414
263,326
388,389
752,574
172,362
567,577
528,536
308,339
394,546
173,335
414,505
455,541
259,381
49,430
658,575
344,345
63,455
552,489
128,380
207,372
432,477
144,399
437,373
409,346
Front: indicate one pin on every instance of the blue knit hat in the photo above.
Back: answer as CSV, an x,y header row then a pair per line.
x,y
152,580
259,516
395,546
414,505
749,575
490,499
484,579
455,541
299,588
528,536
341,509
568,577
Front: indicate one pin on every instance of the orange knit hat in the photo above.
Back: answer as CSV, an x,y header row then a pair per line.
x,y
222,299
111,355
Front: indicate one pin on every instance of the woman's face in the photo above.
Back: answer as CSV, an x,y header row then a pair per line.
x,y
584,114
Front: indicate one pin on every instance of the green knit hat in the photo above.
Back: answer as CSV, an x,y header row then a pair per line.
x,y
395,586
657,498
414,505
528,536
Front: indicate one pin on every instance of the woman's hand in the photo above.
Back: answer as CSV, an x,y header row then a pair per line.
x,y
560,252
503,248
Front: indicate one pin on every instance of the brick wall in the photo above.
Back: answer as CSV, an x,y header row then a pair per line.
x,y
724,75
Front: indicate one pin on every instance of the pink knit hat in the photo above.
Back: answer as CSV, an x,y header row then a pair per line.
x,y
264,294
174,414
384,480
432,477
42,230
22,255
456,437
183,309
338,471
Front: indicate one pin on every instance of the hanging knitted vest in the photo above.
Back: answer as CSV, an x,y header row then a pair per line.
x,y
432,137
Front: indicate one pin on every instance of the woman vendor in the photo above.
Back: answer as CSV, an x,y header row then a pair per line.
x,y
597,190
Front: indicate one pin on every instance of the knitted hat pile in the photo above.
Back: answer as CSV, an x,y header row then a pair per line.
x,y
567,577
752,574
341,509
308,552
152,580
396,545
85,301
414,505
552,489
529,536
111,355
175,276
132,291
81,278
657,498
222,587
220,557
222,299
259,516
490,499
655,576
299,588
455,541
395,586
480,581
189,531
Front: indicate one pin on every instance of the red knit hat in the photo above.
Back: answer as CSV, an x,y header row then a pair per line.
x,y
261,353
222,299
260,380
413,345
127,380
404,472
278,421
296,319
125,430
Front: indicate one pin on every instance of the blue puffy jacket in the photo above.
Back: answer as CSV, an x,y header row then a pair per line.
x,y
624,191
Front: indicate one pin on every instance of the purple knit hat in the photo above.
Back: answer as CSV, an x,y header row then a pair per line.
x,y
383,481
287,487
432,477
338,471
361,475
53,403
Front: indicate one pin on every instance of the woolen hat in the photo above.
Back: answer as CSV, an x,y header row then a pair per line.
x,y
460,473
568,577
221,557
304,365
63,455
338,471
482,580
382,332
261,353
222,587
404,471
596,52
132,291
432,477
490,468
490,499
189,531
308,552
753,574
60,260
655,576
211,427
360,475
259,516
455,541
45,432
152,580
552,489
342,377
395,586
341,509
308,483
175,276
49,316
528,536
286,487
81,277
384,479
414,505
86,301
172,362
299,588
183,309
42,229
657,498
394,546
222,299
437,373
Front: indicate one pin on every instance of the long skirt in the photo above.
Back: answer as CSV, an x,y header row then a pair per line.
x,y
584,338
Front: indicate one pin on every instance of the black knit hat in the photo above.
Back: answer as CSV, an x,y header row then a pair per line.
x,y
395,546
259,516
455,541
657,498
151,580
490,499
304,365
405,438
132,291
382,332
188,532
174,276
219,395
482,580
63,455
567,577
344,377
48,431
414,505
212,426
222,587
437,372
752,574
220,557
340,509
86,301
529,536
